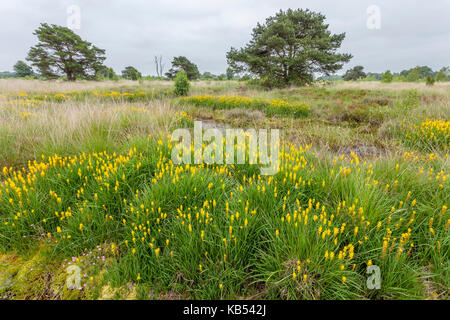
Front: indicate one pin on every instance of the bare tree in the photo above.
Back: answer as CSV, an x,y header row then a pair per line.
x,y
159,66
156,64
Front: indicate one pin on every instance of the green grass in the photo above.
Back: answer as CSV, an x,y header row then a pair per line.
x,y
171,225
269,107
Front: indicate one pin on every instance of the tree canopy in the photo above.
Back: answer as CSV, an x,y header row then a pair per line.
x,y
443,74
61,51
290,47
21,69
417,73
230,73
207,76
131,73
108,73
387,77
183,63
354,73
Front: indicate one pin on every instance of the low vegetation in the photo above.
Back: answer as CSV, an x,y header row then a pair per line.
x,y
88,180
270,107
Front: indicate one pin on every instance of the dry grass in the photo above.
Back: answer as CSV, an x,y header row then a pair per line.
x,y
85,126
71,127
439,87
35,86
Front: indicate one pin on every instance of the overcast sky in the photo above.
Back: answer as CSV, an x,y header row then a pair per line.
x,y
411,33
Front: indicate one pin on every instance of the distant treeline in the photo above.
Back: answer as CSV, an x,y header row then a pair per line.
x,y
416,74
24,71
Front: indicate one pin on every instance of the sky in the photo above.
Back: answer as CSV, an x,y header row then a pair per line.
x,y
380,34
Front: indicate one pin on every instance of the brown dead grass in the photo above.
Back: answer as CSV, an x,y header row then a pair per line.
x,y
36,86
439,87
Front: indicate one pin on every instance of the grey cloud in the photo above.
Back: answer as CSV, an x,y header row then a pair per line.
x,y
132,32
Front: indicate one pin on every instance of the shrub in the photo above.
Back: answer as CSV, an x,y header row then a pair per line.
x,y
181,84
412,99
377,101
430,80
387,77
267,83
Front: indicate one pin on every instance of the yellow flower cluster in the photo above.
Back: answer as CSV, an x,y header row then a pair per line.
x,y
429,134
183,119
36,100
132,96
213,216
181,116
271,107
225,102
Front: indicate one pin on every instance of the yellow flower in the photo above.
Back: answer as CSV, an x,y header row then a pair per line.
x,y
432,231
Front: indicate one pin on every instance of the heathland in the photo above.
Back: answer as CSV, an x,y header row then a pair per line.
x,y
87,180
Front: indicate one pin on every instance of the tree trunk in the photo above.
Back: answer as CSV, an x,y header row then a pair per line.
x,y
70,76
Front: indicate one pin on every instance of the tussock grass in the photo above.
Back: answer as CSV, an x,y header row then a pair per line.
x,y
76,127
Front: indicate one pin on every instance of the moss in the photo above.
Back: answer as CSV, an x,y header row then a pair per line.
x,y
59,285
30,281
38,277
126,292
108,293
9,267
